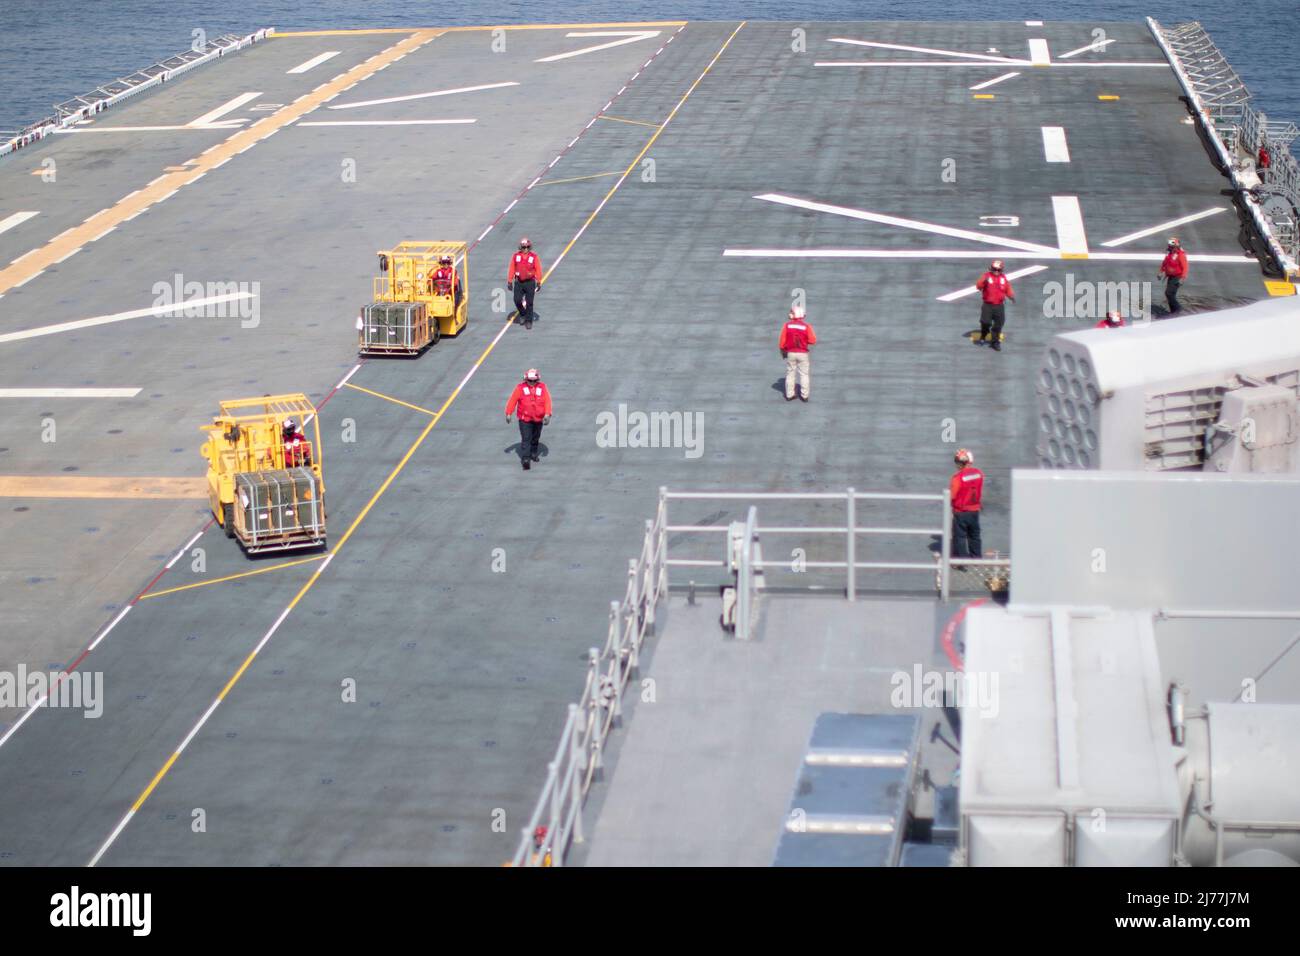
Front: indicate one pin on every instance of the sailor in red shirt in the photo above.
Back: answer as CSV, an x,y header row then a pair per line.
x,y
524,276
532,399
297,449
966,488
1265,159
446,280
1113,320
1173,270
797,336
995,288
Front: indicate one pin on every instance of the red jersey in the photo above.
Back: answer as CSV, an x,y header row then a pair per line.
x,y
966,489
1175,265
444,280
796,336
1264,158
996,287
524,266
1103,324
533,400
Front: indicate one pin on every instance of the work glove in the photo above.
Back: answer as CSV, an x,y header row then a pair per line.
x,y
546,420
510,287
507,419
784,354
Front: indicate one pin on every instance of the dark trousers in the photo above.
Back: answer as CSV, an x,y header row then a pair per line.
x,y
530,435
525,289
966,535
994,316
1172,286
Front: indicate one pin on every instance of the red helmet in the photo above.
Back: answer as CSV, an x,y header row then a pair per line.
x,y
525,243
964,454
539,835
531,375
996,265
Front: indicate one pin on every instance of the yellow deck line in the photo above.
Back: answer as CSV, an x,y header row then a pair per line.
x,y
88,486
68,242
619,119
231,577
576,179
437,416
389,398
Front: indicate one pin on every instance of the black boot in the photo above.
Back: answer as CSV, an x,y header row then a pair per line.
x,y
526,464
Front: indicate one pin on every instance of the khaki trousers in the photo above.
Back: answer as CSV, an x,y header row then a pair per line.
x,y
797,366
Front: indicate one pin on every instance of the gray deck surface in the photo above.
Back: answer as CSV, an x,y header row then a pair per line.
x,y
462,673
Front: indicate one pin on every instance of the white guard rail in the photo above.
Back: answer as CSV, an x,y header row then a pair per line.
x,y
578,758
1220,102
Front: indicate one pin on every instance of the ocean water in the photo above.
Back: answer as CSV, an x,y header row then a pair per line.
x,y
51,50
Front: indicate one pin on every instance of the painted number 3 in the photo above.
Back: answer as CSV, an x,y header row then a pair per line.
x,y
1008,221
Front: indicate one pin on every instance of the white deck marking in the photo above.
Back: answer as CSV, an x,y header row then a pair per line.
x,y
1000,241
69,392
344,380
962,254
1039,55
1084,49
1033,23
1055,148
423,96
314,62
926,49
1070,234
425,122
971,290
226,125
123,316
112,624
885,254
17,219
997,79
1182,221
228,107
876,63
628,36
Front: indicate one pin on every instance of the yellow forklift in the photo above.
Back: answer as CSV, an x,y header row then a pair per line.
x,y
415,303
265,484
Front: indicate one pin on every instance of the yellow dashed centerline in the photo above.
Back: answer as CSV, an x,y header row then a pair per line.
x,y
88,486
34,263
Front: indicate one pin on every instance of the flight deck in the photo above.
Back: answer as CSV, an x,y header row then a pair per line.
x,y
394,700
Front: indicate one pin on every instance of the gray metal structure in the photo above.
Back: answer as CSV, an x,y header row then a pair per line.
x,y
1155,396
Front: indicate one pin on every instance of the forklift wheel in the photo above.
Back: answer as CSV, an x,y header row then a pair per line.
x,y
228,519
437,334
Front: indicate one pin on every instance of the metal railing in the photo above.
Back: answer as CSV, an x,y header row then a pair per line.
x,y
83,107
578,758
1220,102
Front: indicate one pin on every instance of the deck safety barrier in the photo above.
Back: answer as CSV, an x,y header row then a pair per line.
x,y
578,758
1220,103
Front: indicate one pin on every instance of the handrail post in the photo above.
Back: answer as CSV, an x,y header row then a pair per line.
x,y
851,549
945,547
648,586
575,795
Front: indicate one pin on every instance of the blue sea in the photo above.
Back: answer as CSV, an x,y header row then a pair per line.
x,y
51,50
